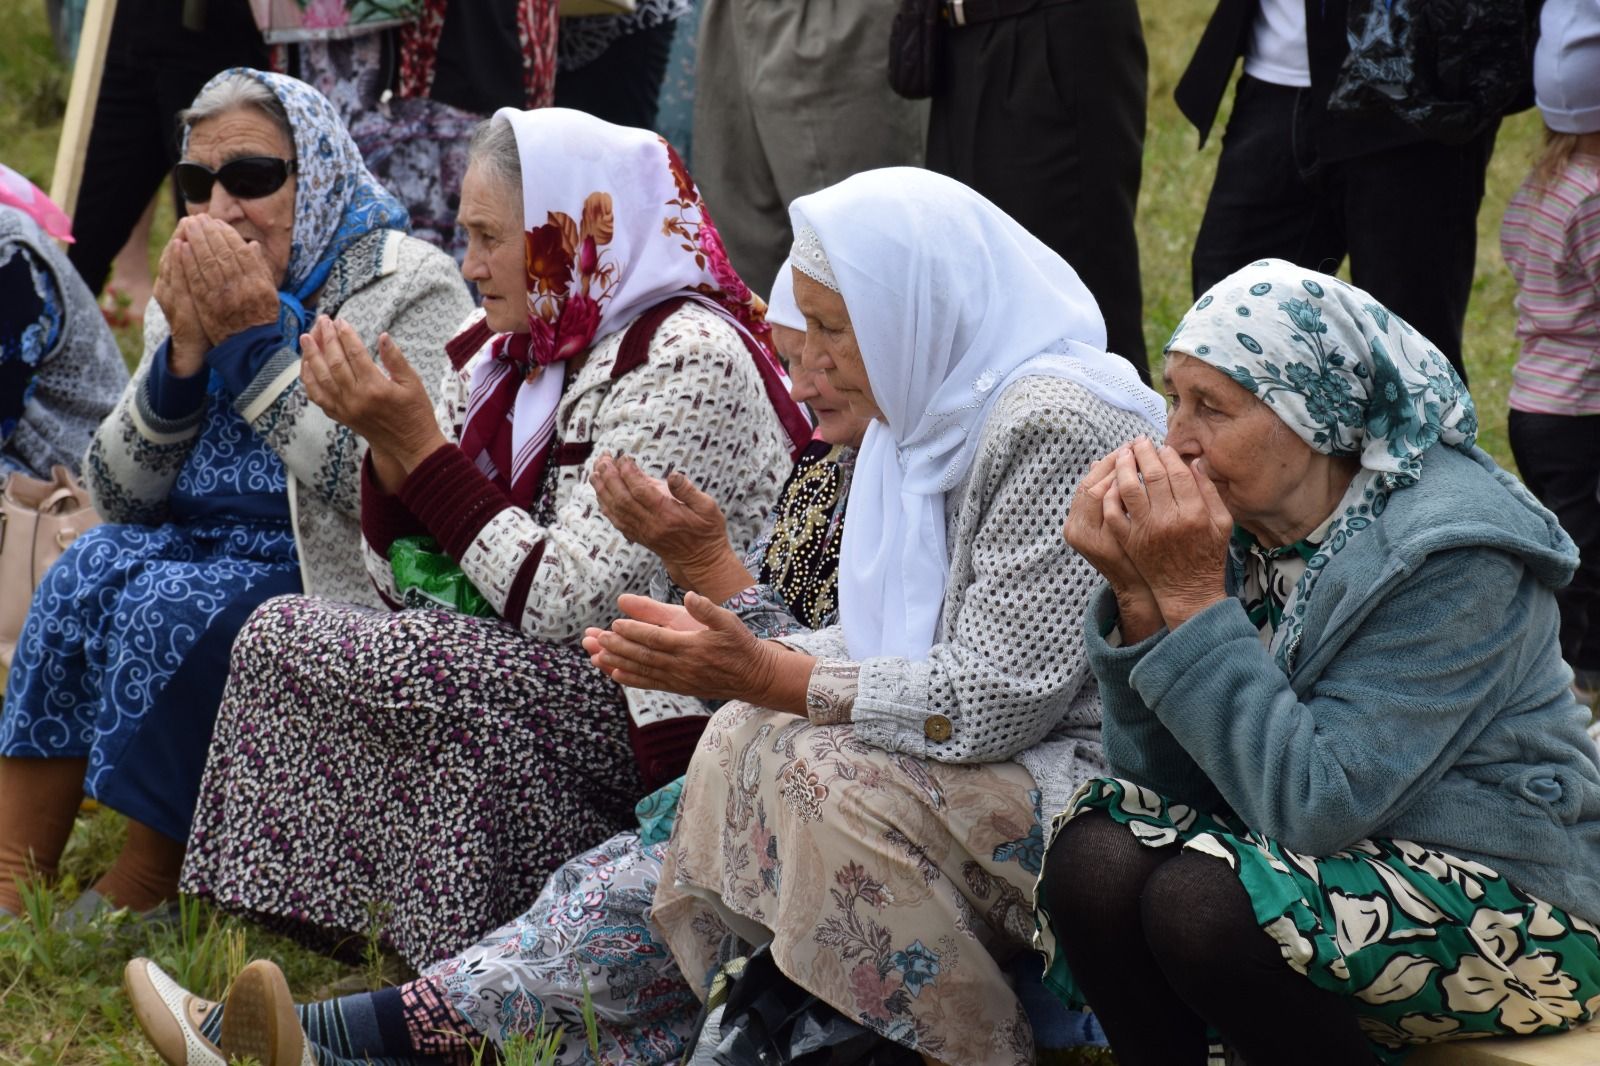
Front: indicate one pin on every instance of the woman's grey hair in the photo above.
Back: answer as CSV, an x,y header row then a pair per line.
x,y
233,93
494,148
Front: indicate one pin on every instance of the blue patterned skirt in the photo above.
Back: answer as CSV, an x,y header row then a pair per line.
x,y
125,652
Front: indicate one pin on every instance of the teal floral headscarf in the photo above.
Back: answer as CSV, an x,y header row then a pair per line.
x,y
1346,374
1350,378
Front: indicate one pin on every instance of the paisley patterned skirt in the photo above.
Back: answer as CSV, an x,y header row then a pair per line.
x,y
418,773
589,930
125,650
891,887
1427,946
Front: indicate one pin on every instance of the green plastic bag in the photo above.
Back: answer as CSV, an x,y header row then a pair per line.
x,y
427,577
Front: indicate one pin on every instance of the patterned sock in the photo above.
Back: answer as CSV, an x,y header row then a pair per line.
x,y
373,1029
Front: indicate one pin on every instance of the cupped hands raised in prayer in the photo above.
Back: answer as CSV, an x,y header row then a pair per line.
x,y
391,411
1157,531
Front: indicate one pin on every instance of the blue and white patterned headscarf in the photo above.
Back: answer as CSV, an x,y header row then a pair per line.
x,y
1342,371
1350,378
337,201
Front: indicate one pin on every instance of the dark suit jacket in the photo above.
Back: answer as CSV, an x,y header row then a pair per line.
x,y
1227,37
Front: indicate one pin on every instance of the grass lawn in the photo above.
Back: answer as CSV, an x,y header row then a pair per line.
x,y
60,1000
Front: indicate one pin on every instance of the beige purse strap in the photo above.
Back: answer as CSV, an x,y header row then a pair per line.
x,y
52,504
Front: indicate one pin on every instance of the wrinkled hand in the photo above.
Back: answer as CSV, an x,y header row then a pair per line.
x,y
674,519
392,412
698,650
1096,529
1177,530
190,342
232,284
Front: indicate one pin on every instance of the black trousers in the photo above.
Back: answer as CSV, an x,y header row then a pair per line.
x,y
1407,216
623,83
153,69
1559,458
1044,114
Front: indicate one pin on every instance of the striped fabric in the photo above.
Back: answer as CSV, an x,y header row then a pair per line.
x,y
1551,240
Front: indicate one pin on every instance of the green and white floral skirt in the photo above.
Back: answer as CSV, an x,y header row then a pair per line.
x,y
1427,946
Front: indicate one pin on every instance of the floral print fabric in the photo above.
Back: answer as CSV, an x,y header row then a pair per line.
x,y
889,886
420,772
588,928
1341,370
1426,946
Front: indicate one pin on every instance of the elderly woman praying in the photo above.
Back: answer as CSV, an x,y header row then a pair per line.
x,y
465,739
220,485
1351,806
869,802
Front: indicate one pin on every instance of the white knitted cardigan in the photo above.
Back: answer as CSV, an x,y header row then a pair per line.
x,y
386,281
1009,670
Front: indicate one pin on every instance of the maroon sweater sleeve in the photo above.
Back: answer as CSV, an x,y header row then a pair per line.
x,y
454,500
384,518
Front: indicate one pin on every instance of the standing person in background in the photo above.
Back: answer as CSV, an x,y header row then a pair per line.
x,y
1041,107
1551,242
157,61
792,95
1299,181
411,96
613,66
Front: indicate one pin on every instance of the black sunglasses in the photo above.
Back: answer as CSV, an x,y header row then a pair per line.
x,y
249,178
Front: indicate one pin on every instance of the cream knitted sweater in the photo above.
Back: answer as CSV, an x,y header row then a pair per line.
x,y
1008,676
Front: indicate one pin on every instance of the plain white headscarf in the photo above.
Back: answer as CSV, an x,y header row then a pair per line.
x,y
951,301
781,308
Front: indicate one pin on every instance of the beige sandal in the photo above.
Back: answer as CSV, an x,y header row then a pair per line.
x,y
260,1023
169,1017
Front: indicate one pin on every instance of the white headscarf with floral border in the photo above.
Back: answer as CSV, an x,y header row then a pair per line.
x,y
614,226
950,301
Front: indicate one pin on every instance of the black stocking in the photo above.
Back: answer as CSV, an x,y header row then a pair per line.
x,y
1199,925
1094,875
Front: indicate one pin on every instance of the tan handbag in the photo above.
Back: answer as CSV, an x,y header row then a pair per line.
x,y
574,8
38,521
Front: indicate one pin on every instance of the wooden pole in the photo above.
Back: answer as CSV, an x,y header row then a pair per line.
x,y
81,100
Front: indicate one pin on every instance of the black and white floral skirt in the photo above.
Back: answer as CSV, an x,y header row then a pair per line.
x,y
1427,946
419,774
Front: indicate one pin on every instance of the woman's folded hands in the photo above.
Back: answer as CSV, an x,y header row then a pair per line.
x,y
1157,531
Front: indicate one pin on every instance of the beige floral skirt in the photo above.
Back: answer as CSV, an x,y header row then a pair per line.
x,y
891,887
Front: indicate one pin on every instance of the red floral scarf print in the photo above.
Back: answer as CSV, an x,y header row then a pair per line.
x,y
615,226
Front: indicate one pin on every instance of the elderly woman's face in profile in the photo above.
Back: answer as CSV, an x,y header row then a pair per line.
x,y
268,220
831,348
1222,431
836,423
491,213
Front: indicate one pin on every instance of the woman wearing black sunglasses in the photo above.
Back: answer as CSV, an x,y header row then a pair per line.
x,y
220,484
